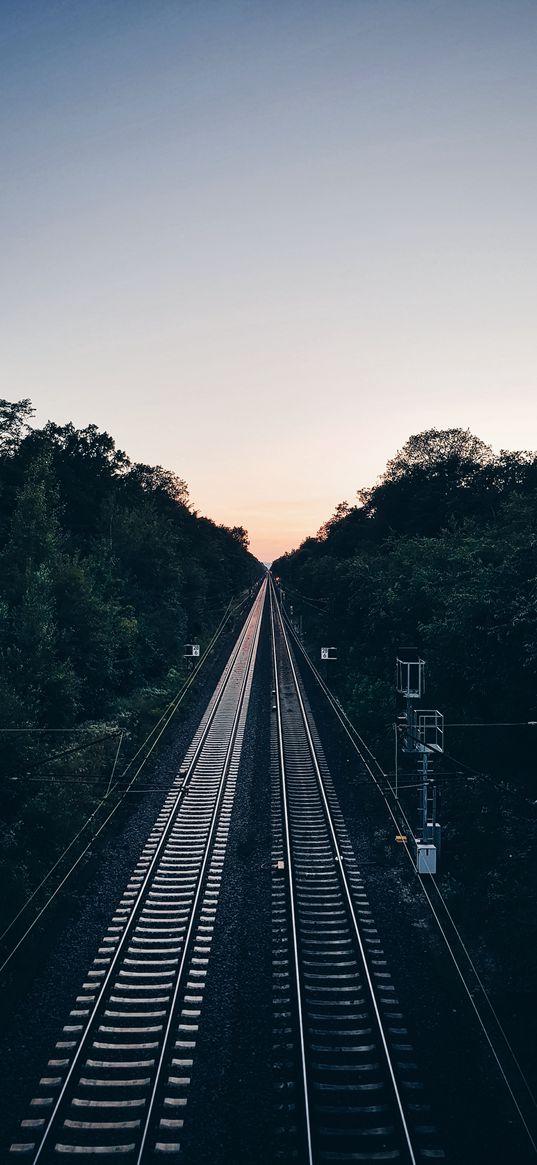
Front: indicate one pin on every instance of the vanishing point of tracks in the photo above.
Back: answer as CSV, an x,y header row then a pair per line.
x,y
345,1081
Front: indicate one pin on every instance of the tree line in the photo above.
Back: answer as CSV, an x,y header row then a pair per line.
x,y
106,570
441,555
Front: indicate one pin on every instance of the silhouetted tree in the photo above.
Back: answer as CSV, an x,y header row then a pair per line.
x,y
105,571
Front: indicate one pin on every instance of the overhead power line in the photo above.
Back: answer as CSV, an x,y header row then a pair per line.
x,y
352,732
169,713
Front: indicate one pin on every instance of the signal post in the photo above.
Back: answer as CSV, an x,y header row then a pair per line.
x,y
422,733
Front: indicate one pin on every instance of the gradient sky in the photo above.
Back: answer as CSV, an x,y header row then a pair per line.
x,y
262,242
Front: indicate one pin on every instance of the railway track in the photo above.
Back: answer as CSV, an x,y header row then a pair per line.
x,y
117,1082
347,1084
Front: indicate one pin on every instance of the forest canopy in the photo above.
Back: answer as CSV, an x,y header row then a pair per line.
x,y
440,553
106,570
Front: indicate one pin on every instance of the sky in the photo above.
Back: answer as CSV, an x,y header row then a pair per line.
x,y
262,242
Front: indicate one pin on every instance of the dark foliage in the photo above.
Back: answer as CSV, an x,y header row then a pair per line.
x,y
441,554
105,572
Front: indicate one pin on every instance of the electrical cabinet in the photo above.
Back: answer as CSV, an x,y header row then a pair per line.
x,y
426,858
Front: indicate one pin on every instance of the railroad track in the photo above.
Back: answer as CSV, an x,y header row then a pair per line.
x,y
347,1085
117,1083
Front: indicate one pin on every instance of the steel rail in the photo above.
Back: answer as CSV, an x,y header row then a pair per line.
x,y
349,729
169,712
348,895
294,928
201,882
210,714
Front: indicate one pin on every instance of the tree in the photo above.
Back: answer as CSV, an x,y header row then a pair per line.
x,y
240,535
14,424
455,452
341,511
155,479
34,534
436,478
105,572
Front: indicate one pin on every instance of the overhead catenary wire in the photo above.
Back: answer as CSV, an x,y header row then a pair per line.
x,y
492,724
169,713
500,784
307,599
350,729
176,794
340,712
74,749
341,867
116,758
227,613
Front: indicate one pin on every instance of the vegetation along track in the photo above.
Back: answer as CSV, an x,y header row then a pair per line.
x,y
347,1085
117,1084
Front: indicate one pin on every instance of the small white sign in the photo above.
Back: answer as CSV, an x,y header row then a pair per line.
x,y
192,650
195,649
328,652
